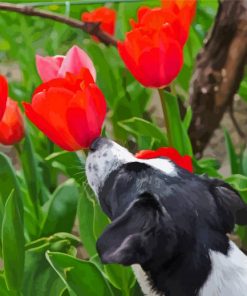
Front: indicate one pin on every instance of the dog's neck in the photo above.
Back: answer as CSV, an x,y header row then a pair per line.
x,y
202,271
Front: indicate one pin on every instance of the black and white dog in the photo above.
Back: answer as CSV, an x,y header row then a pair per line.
x,y
169,224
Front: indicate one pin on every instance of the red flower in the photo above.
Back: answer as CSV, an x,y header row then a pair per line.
x,y
11,124
57,66
170,153
185,9
3,95
70,110
103,15
152,50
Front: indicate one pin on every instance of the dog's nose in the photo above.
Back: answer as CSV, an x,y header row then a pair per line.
x,y
97,143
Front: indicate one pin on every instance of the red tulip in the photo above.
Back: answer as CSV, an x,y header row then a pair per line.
x,y
3,95
156,18
69,110
153,56
186,9
170,153
57,66
11,124
103,15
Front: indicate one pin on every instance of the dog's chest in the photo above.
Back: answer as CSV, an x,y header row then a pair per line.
x,y
228,276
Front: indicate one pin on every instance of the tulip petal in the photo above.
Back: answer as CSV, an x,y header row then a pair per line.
x,y
170,153
161,65
103,15
74,61
11,125
86,115
48,67
129,61
3,94
50,116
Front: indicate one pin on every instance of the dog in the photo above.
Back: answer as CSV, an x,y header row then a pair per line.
x,y
170,225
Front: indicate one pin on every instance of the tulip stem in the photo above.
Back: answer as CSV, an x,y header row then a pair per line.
x,y
165,113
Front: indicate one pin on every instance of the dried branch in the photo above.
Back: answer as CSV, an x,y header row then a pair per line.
x,y
219,71
90,28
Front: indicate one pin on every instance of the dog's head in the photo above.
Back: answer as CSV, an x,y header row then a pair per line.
x,y
157,209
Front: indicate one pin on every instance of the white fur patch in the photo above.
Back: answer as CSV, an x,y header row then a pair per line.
x,y
103,161
229,274
143,281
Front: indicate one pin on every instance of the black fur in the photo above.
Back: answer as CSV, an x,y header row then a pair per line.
x,y
167,224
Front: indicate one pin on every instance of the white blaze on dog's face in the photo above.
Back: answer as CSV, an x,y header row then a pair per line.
x,y
106,156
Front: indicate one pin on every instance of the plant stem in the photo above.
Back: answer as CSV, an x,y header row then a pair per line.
x,y
164,108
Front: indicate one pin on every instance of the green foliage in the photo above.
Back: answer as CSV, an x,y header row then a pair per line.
x,y
80,277
44,197
13,243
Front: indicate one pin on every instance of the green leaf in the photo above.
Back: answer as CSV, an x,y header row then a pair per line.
x,y
100,221
85,214
61,209
177,134
31,173
13,243
187,118
238,181
206,166
81,277
244,162
3,288
8,180
40,279
121,277
231,153
68,163
65,292
61,241
140,127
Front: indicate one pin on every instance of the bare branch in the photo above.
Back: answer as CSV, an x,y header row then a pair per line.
x,y
90,28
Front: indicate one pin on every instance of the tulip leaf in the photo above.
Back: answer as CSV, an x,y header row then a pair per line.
x,y
144,128
69,163
8,180
13,243
40,279
187,118
3,287
177,133
121,277
231,153
100,221
31,173
244,162
61,209
85,215
81,277
239,182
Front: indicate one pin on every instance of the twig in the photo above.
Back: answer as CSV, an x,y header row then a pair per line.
x,y
90,28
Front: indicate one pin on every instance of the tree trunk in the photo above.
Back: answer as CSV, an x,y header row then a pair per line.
x,y
219,71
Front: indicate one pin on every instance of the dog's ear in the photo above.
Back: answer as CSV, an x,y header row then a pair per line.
x,y
132,237
231,206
